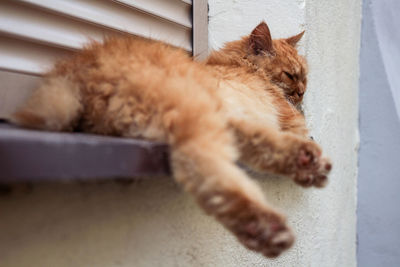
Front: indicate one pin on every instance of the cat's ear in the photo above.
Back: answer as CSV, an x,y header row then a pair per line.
x,y
260,40
295,39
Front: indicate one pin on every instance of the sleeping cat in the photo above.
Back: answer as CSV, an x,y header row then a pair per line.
x,y
238,105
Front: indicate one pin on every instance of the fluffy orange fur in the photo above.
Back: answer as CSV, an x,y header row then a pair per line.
x,y
239,104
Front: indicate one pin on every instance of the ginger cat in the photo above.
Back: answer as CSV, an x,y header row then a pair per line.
x,y
239,104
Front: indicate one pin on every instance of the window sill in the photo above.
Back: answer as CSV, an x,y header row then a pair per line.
x,y
29,155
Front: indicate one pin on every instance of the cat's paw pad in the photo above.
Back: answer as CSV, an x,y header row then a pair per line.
x,y
256,226
270,238
312,168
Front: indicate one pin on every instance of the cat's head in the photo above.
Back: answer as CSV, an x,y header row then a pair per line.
x,y
280,60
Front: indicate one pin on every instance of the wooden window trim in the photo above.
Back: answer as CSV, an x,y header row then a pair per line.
x,y
200,29
28,155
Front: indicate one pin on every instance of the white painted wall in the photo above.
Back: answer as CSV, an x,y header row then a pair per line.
x,y
324,220
152,223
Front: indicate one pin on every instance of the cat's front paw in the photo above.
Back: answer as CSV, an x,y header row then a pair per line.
x,y
270,238
262,230
311,168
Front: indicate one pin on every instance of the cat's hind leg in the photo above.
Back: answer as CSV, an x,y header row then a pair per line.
x,y
280,152
54,106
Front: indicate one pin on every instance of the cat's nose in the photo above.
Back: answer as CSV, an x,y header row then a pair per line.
x,y
300,94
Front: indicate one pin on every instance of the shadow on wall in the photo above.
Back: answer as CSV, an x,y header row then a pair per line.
x,y
386,19
379,168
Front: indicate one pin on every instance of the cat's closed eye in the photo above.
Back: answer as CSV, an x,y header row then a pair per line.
x,y
290,76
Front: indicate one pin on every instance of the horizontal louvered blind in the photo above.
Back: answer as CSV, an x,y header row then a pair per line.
x,y
33,33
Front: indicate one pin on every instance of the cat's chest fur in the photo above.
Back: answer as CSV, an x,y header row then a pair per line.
x,y
244,97
250,105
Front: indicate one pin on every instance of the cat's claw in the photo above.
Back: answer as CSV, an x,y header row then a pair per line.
x,y
312,169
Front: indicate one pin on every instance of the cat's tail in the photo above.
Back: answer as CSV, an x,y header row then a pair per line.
x,y
203,162
54,106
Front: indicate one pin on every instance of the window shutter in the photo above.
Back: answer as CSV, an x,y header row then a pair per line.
x,y
34,33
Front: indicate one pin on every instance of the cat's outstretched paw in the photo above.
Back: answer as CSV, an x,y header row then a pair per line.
x,y
258,228
267,235
311,168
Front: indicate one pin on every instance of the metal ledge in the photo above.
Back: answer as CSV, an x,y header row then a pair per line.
x,y
29,155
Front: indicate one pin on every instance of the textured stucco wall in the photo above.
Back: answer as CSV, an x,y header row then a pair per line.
x,y
378,182
324,220
331,108
152,223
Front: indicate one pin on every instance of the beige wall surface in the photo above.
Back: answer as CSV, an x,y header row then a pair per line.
x,y
152,223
